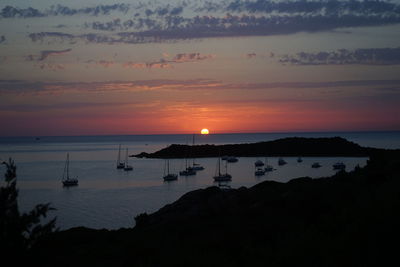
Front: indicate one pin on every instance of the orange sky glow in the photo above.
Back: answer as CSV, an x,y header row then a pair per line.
x,y
91,69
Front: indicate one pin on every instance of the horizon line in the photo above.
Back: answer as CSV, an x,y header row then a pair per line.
x,y
198,133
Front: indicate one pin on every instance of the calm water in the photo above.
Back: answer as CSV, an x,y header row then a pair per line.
x,y
110,198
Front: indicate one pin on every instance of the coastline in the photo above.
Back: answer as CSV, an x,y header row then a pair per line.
x,y
349,218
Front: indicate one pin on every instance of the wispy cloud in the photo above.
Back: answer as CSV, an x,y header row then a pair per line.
x,y
57,10
51,66
46,53
58,106
191,57
368,56
229,26
26,87
163,63
324,7
167,22
161,9
103,63
251,55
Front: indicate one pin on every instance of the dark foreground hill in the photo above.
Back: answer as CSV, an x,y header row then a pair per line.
x,y
293,146
350,219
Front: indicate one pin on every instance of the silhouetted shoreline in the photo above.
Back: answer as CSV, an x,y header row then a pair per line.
x,y
290,147
349,219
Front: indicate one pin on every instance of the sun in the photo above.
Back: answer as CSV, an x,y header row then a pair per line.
x,y
204,131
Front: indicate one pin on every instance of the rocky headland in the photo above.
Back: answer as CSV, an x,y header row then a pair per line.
x,y
294,146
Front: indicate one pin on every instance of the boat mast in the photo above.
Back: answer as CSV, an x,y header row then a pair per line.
x,y
119,155
126,157
167,166
193,151
219,166
67,166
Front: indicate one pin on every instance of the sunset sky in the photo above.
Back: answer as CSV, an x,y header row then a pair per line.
x,y
152,67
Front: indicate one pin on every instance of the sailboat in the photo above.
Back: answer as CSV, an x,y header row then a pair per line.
x,y
196,166
259,171
65,179
120,165
281,162
316,165
339,166
222,177
188,170
127,167
258,163
268,168
169,176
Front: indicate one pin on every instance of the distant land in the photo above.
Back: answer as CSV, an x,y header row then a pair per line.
x,y
290,147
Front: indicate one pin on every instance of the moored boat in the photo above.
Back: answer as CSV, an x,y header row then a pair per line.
x,y
281,162
339,166
222,177
315,165
167,175
120,165
127,166
259,171
66,180
258,163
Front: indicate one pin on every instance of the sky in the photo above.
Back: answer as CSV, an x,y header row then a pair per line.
x,y
169,67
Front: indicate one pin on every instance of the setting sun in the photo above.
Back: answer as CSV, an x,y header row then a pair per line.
x,y
204,131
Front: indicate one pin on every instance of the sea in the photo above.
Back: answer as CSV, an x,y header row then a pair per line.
x,y
110,198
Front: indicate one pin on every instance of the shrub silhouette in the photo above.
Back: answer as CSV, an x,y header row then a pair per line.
x,y
19,232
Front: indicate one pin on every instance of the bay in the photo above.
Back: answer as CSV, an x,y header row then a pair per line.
x,y
111,198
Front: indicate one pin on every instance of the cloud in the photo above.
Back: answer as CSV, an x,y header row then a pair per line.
x,y
158,22
51,66
251,55
213,26
263,7
27,87
102,63
325,7
30,12
57,37
165,63
44,54
190,57
59,26
12,12
49,106
365,56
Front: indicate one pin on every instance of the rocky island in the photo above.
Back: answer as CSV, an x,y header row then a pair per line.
x,y
294,146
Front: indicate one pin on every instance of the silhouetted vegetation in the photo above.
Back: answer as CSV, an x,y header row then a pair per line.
x,y
141,219
349,219
19,232
294,146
